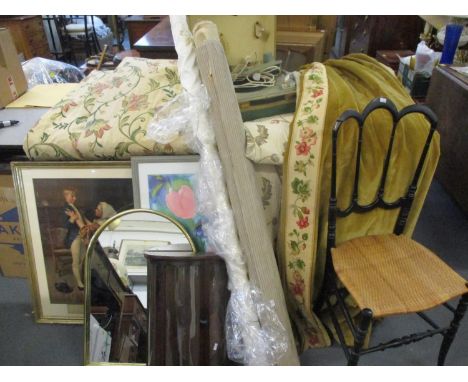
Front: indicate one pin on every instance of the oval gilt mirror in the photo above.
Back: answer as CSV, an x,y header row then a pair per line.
x,y
116,319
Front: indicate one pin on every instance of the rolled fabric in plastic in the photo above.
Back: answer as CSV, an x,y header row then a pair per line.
x,y
247,341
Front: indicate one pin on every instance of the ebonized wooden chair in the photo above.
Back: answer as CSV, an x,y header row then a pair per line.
x,y
386,274
77,36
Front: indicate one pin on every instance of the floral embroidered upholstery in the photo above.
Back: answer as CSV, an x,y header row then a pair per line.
x,y
266,139
107,116
269,187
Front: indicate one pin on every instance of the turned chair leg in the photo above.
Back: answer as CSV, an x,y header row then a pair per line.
x,y
361,332
452,331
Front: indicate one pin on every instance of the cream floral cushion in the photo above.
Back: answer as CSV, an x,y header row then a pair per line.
x,y
269,187
107,116
266,139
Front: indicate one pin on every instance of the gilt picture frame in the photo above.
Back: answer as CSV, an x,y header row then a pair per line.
x,y
54,263
132,254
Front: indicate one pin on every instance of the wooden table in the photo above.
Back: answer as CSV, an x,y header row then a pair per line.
x,y
158,42
12,138
137,26
448,98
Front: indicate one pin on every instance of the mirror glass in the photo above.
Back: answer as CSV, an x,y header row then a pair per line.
x,y
116,319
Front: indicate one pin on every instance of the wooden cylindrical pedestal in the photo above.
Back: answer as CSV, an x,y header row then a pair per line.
x,y
187,300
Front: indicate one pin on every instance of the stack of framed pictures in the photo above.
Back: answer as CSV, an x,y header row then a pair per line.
x,y
54,197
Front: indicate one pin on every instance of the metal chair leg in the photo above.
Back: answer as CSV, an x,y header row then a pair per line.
x,y
452,331
361,332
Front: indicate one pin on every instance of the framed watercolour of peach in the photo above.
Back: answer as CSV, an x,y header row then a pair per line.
x,y
167,184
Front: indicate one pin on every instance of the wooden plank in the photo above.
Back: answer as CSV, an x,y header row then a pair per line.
x,y
240,180
299,38
328,24
296,23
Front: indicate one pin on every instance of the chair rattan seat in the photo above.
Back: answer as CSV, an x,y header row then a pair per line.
x,y
392,274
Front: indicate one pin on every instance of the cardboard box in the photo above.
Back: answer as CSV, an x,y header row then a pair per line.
x,y
12,261
12,258
415,83
12,80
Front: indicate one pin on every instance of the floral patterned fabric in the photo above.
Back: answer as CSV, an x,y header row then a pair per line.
x,y
267,138
269,187
107,116
300,197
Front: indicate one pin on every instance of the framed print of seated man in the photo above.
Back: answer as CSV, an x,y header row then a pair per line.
x,y
69,213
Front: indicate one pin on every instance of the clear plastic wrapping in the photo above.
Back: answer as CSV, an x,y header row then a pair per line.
x,y
174,119
426,58
40,70
254,333
266,344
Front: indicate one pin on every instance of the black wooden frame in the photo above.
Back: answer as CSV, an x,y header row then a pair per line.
x,y
404,203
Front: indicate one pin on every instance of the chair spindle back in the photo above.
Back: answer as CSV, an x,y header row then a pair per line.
x,y
404,202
